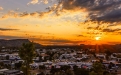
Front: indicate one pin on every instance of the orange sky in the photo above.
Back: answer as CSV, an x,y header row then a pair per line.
x,y
60,24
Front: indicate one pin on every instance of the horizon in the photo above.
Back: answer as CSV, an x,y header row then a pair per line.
x,y
61,44
61,22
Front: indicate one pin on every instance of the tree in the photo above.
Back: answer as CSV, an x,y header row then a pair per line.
x,y
106,73
75,68
81,71
98,68
108,53
93,53
69,72
27,53
65,67
52,71
7,57
93,73
60,73
1,65
42,67
18,65
118,56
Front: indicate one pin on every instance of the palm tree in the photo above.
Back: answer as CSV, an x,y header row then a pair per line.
x,y
27,53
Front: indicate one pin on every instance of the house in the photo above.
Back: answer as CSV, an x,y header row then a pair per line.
x,y
2,71
13,72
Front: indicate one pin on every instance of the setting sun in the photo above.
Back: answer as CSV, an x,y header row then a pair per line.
x,y
97,38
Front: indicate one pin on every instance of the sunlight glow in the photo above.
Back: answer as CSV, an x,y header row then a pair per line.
x,y
97,38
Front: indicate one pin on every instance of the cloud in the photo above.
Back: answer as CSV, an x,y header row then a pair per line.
x,y
99,10
114,43
49,15
7,29
33,2
111,16
45,1
10,13
37,2
94,28
24,14
14,14
34,14
111,30
1,8
57,41
80,36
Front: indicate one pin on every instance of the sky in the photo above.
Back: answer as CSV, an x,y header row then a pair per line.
x,y
61,22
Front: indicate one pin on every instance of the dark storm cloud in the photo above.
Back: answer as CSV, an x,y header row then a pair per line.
x,y
111,16
7,29
99,10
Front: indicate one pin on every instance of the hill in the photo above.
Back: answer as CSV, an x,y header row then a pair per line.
x,y
15,43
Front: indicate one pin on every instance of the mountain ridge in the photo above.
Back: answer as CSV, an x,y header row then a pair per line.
x,y
15,43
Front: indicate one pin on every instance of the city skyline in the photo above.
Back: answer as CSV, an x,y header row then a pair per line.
x,y
61,22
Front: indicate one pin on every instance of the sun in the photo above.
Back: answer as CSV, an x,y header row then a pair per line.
x,y
97,38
